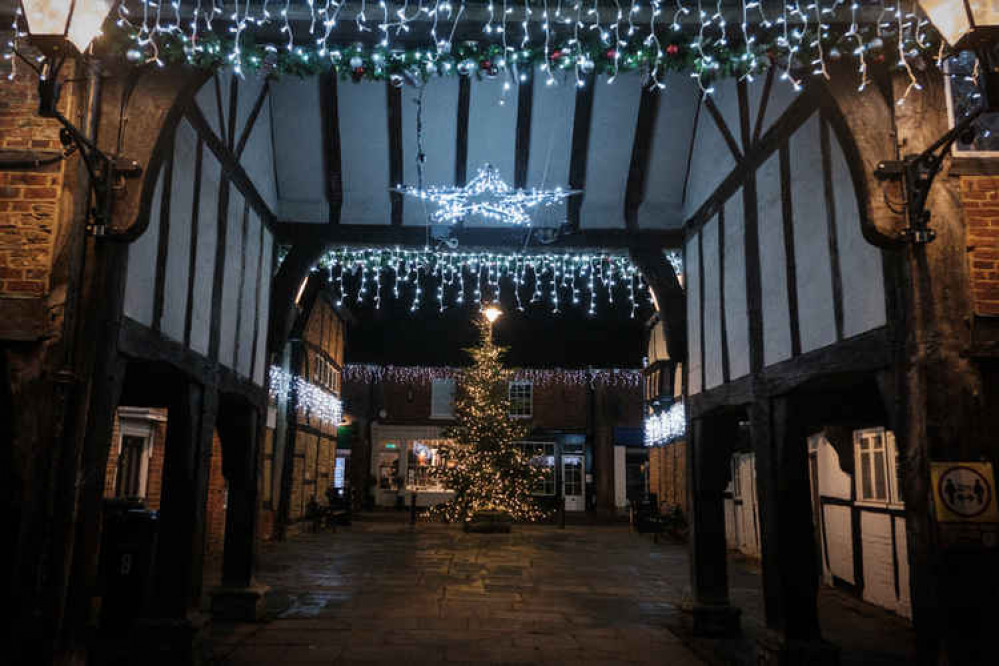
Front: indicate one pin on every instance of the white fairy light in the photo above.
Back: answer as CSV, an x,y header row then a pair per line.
x,y
363,373
487,196
317,401
666,426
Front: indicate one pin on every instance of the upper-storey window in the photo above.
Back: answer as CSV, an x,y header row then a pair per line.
x,y
964,95
521,399
442,399
876,466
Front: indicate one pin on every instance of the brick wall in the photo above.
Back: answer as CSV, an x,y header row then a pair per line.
x,y
980,197
29,199
215,508
154,471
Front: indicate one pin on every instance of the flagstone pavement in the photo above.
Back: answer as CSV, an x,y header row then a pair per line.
x,y
388,593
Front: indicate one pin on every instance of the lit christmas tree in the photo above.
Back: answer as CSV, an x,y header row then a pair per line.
x,y
486,468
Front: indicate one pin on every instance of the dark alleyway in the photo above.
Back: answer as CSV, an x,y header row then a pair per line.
x,y
381,593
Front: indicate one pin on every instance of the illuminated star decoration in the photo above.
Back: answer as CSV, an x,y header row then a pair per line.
x,y
488,197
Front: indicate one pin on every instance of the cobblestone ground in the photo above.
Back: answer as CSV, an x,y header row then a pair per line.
x,y
385,593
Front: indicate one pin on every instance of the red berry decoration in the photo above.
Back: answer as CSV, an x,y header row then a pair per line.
x,y
672,49
556,54
611,54
357,74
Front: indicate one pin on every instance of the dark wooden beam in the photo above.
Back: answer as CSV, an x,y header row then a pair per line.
x,y
461,133
192,257
522,150
797,113
723,127
672,299
231,169
723,318
416,236
393,97
690,151
830,197
251,120
230,131
641,153
330,128
742,93
580,151
764,102
790,269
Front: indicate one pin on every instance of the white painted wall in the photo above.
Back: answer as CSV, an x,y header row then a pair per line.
x,y
692,265
712,306
736,307
773,269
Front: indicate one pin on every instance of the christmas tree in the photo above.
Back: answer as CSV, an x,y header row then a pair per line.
x,y
485,466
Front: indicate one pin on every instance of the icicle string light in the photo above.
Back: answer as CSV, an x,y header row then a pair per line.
x,y
316,401
539,377
667,426
599,36
489,275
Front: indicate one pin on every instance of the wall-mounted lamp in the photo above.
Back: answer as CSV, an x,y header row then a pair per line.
x,y
966,25
60,29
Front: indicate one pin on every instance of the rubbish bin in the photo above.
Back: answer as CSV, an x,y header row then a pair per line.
x,y
127,561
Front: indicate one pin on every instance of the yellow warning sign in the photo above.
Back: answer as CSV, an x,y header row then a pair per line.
x,y
964,492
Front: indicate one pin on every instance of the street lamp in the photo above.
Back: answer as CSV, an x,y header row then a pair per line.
x,y
492,313
60,29
964,24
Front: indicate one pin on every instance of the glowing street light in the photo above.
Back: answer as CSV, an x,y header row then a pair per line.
x,y
492,313
53,23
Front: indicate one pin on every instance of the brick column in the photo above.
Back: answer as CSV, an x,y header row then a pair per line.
x,y
980,198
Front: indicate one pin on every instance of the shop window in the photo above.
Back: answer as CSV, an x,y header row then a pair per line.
x,y
521,399
388,470
424,462
963,95
876,466
442,399
542,456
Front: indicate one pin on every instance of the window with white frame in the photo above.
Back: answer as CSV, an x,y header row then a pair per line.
x,y
542,456
442,399
521,399
876,466
964,94
134,449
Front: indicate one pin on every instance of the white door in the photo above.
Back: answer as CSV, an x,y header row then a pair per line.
x,y
572,483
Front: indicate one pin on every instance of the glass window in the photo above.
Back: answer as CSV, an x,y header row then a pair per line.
x,y
875,466
341,469
542,456
964,94
132,467
424,462
388,470
521,399
442,399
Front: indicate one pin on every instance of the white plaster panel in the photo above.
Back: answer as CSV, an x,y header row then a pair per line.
x,y
298,151
141,282
612,137
440,104
839,541
782,93
179,251
692,266
258,158
248,287
736,307
232,279
902,557
773,264
860,262
552,112
712,159
492,131
663,203
264,287
712,305
207,99
811,240
204,273
833,481
250,86
879,559
363,109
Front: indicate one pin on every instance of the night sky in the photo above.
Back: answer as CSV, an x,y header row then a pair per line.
x,y
536,337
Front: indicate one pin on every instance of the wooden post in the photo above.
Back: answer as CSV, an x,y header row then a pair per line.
x,y
713,615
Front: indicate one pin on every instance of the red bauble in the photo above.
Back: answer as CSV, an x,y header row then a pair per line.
x,y
357,74
611,54
672,49
556,54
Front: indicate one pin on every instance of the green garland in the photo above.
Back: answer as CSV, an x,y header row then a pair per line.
x,y
484,59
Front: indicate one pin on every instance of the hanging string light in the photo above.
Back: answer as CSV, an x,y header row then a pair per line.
x,y
539,377
565,278
667,426
598,36
316,401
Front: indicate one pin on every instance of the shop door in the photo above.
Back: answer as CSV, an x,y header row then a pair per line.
x,y
572,483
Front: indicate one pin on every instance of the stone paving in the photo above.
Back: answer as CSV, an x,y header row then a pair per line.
x,y
386,593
